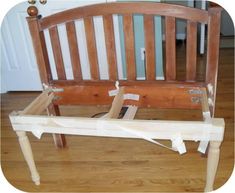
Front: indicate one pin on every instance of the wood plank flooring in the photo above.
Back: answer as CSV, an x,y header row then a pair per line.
x,y
92,164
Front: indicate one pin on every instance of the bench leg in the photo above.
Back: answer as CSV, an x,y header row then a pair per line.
x,y
59,139
28,155
212,164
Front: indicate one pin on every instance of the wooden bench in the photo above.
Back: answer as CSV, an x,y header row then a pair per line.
x,y
133,93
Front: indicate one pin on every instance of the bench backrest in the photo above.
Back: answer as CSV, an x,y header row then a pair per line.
x,y
148,9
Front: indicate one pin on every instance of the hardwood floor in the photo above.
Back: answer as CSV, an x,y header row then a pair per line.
x,y
92,164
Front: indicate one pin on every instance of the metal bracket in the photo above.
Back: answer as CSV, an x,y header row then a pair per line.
x,y
56,89
195,91
52,89
56,98
196,100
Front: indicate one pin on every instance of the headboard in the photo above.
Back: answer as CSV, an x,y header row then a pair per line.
x,y
97,88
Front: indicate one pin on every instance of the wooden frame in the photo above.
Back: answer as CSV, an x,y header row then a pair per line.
x,y
30,120
170,93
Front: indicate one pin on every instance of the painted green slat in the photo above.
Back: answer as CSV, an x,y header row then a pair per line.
x,y
158,49
122,44
139,43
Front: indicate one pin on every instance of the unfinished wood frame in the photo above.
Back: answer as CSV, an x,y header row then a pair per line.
x,y
170,93
30,120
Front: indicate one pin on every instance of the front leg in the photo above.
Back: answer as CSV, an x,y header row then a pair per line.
x,y
212,164
28,155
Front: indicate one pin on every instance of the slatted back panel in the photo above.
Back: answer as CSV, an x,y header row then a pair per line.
x,y
169,11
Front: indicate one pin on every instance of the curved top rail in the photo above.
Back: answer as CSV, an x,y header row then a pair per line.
x,y
162,9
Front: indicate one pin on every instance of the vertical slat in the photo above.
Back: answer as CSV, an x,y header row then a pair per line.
x,y
213,52
150,47
129,46
191,51
110,46
73,49
55,42
40,50
91,47
170,48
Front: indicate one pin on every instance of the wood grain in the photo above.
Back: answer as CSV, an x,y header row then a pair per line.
x,y
129,46
158,83
37,106
110,46
191,53
106,164
56,47
151,8
42,57
116,105
150,96
40,50
213,51
59,139
91,47
103,164
149,47
170,48
73,49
